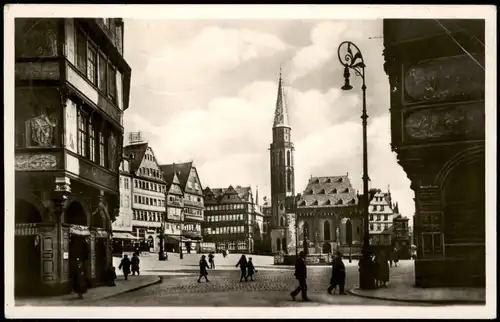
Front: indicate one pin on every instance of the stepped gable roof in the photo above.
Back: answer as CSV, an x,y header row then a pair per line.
x,y
181,169
217,193
135,152
331,191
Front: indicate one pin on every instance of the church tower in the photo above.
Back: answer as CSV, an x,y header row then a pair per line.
x,y
282,173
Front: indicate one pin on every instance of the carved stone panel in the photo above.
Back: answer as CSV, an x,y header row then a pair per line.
x,y
37,117
48,70
455,122
450,78
98,175
36,161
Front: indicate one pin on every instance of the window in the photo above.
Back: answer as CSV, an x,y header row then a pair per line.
x,y
386,217
378,217
81,51
379,227
92,63
288,158
102,73
374,208
371,226
289,180
112,83
82,134
432,243
381,207
102,150
371,217
92,141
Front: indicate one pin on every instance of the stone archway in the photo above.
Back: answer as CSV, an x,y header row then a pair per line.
x,y
79,239
27,250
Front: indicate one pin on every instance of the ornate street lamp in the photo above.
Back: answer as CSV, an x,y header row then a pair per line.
x,y
354,60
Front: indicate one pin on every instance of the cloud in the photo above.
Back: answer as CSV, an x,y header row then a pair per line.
x,y
195,63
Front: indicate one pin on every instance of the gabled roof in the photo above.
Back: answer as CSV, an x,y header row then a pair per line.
x,y
217,194
174,186
331,191
181,169
136,153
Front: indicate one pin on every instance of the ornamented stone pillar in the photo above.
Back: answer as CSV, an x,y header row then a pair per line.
x,y
60,236
92,253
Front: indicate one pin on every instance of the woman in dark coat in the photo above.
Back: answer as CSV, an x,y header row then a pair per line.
x,y
338,275
383,270
125,265
242,263
250,268
79,279
203,269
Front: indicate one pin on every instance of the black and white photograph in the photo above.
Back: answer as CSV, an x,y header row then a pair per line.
x,y
250,161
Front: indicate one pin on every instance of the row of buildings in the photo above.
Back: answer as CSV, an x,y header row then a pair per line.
x,y
167,203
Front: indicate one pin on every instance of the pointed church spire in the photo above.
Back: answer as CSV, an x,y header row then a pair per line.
x,y
281,113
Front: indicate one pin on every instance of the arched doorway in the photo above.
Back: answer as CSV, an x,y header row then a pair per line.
x,y
27,251
79,243
464,218
101,246
326,230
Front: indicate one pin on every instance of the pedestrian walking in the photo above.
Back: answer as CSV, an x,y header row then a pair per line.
x,y
383,270
242,263
250,269
79,279
135,264
125,266
211,260
203,269
338,275
395,257
301,276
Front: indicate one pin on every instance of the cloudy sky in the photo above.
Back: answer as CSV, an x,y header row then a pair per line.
x,y
205,90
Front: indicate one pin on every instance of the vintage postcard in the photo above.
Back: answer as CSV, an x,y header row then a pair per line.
x,y
250,161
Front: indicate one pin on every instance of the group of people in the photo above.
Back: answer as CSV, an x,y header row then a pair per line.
x,y
246,267
337,279
128,265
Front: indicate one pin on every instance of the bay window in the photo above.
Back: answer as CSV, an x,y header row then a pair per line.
x,y
92,64
81,51
82,134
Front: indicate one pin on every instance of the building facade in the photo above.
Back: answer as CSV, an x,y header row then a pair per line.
x,y
282,178
437,98
72,86
401,236
148,196
123,239
193,204
380,218
266,211
327,217
175,214
230,219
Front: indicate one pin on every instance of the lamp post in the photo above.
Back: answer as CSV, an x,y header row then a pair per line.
x,y
354,60
161,254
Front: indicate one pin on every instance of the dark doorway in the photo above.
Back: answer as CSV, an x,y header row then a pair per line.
x,y
326,230
27,252
79,248
100,258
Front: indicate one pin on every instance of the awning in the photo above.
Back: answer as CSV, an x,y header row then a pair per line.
x,y
79,230
122,235
174,238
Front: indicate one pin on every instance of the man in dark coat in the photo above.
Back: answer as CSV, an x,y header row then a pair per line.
x,y
125,265
338,274
203,269
135,264
301,276
79,279
242,263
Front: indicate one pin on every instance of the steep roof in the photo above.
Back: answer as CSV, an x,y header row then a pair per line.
x,y
281,112
331,191
136,153
181,169
216,194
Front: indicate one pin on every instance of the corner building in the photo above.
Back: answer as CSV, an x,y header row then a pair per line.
x,y
71,88
437,94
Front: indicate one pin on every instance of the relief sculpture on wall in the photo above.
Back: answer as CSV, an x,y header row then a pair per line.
x,y
37,36
449,78
464,121
35,162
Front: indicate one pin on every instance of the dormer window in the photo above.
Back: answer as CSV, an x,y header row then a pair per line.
x,y
329,180
374,208
322,191
346,190
315,202
303,203
311,192
334,190
340,180
328,202
339,202
316,181
353,201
